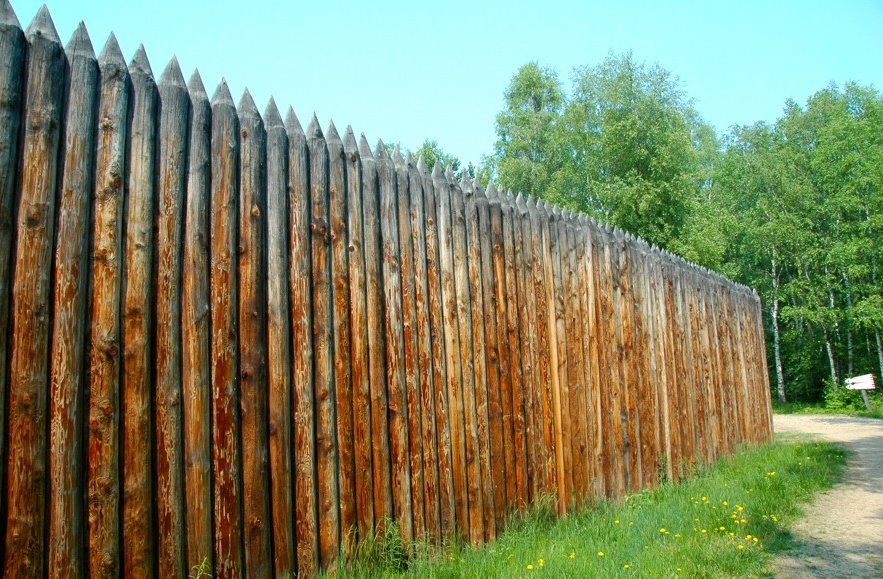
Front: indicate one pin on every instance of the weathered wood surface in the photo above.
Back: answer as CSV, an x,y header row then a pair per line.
x,y
306,516
30,296
196,333
67,394
279,351
252,254
226,340
174,116
323,361
13,48
226,428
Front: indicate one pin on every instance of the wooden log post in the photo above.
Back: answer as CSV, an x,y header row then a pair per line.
x,y
579,406
447,511
380,435
300,275
226,441
174,115
360,369
395,345
476,292
452,351
196,333
497,475
279,352
340,302
495,210
27,426
409,335
467,360
323,354
13,48
138,324
425,361
67,394
252,255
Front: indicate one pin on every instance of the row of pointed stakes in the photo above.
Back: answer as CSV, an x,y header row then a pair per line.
x,y
81,45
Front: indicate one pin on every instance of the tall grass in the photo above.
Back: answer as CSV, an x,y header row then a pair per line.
x,y
724,522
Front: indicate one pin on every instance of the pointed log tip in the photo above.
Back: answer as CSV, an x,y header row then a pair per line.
x,y
314,131
80,44
397,157
449,174
332,136
349,140
380,152
292,124
43,26
491,191
111,53
7,15
409,159
272,118
421,165
365,148
140,62
222,95
196,87
437,172
172,75
246,105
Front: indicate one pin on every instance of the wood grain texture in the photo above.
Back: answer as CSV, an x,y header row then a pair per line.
x,y
306,519
254,392
226,428
279,352
196,333
323,361
395,345
67,392
174,116
343,391
380,442
27,461
139,311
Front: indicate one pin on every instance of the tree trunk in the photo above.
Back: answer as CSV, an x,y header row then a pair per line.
x,y
849,348
831,360
879,351
777,344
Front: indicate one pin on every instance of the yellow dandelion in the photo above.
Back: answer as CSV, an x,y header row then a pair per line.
x,y
529,567
695,520
678,569
747,537
572,555
732,534
704,530
743,520
662,530
677,535
754,539
541,563
725,503
616,522
721,528
704,499
600,553
646,547
740,547
626,566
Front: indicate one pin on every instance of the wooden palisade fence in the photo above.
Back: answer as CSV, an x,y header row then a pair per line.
x,y
226,337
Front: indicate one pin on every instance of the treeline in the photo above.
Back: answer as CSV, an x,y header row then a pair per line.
x,y
792,208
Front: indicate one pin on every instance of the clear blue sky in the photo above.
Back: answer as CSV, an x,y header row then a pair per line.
x,y
405,71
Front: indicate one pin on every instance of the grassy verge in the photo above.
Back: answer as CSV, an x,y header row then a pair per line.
x,y
821,408
724,522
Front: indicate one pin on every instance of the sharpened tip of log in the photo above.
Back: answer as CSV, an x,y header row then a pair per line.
x,y
314,131
449,174
42,25
140,63
196,88
437,171
80,44
292,124
246,107
380,152
111,53
172,75
476,184
332,135
397,158
350,146
272,118
365,148
7,15
222,95
421,165
491,191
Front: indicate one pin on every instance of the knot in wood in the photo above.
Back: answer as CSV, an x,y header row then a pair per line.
x,y
255,210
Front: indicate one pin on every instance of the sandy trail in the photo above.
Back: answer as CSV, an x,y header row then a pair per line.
x,y
841,535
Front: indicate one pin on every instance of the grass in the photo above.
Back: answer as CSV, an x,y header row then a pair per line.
x,y
821,408
724,522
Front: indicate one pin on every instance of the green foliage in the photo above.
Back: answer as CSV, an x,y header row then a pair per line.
x,y
655,533
202,570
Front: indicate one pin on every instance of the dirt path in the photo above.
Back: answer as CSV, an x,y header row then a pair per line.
x,y
841,535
